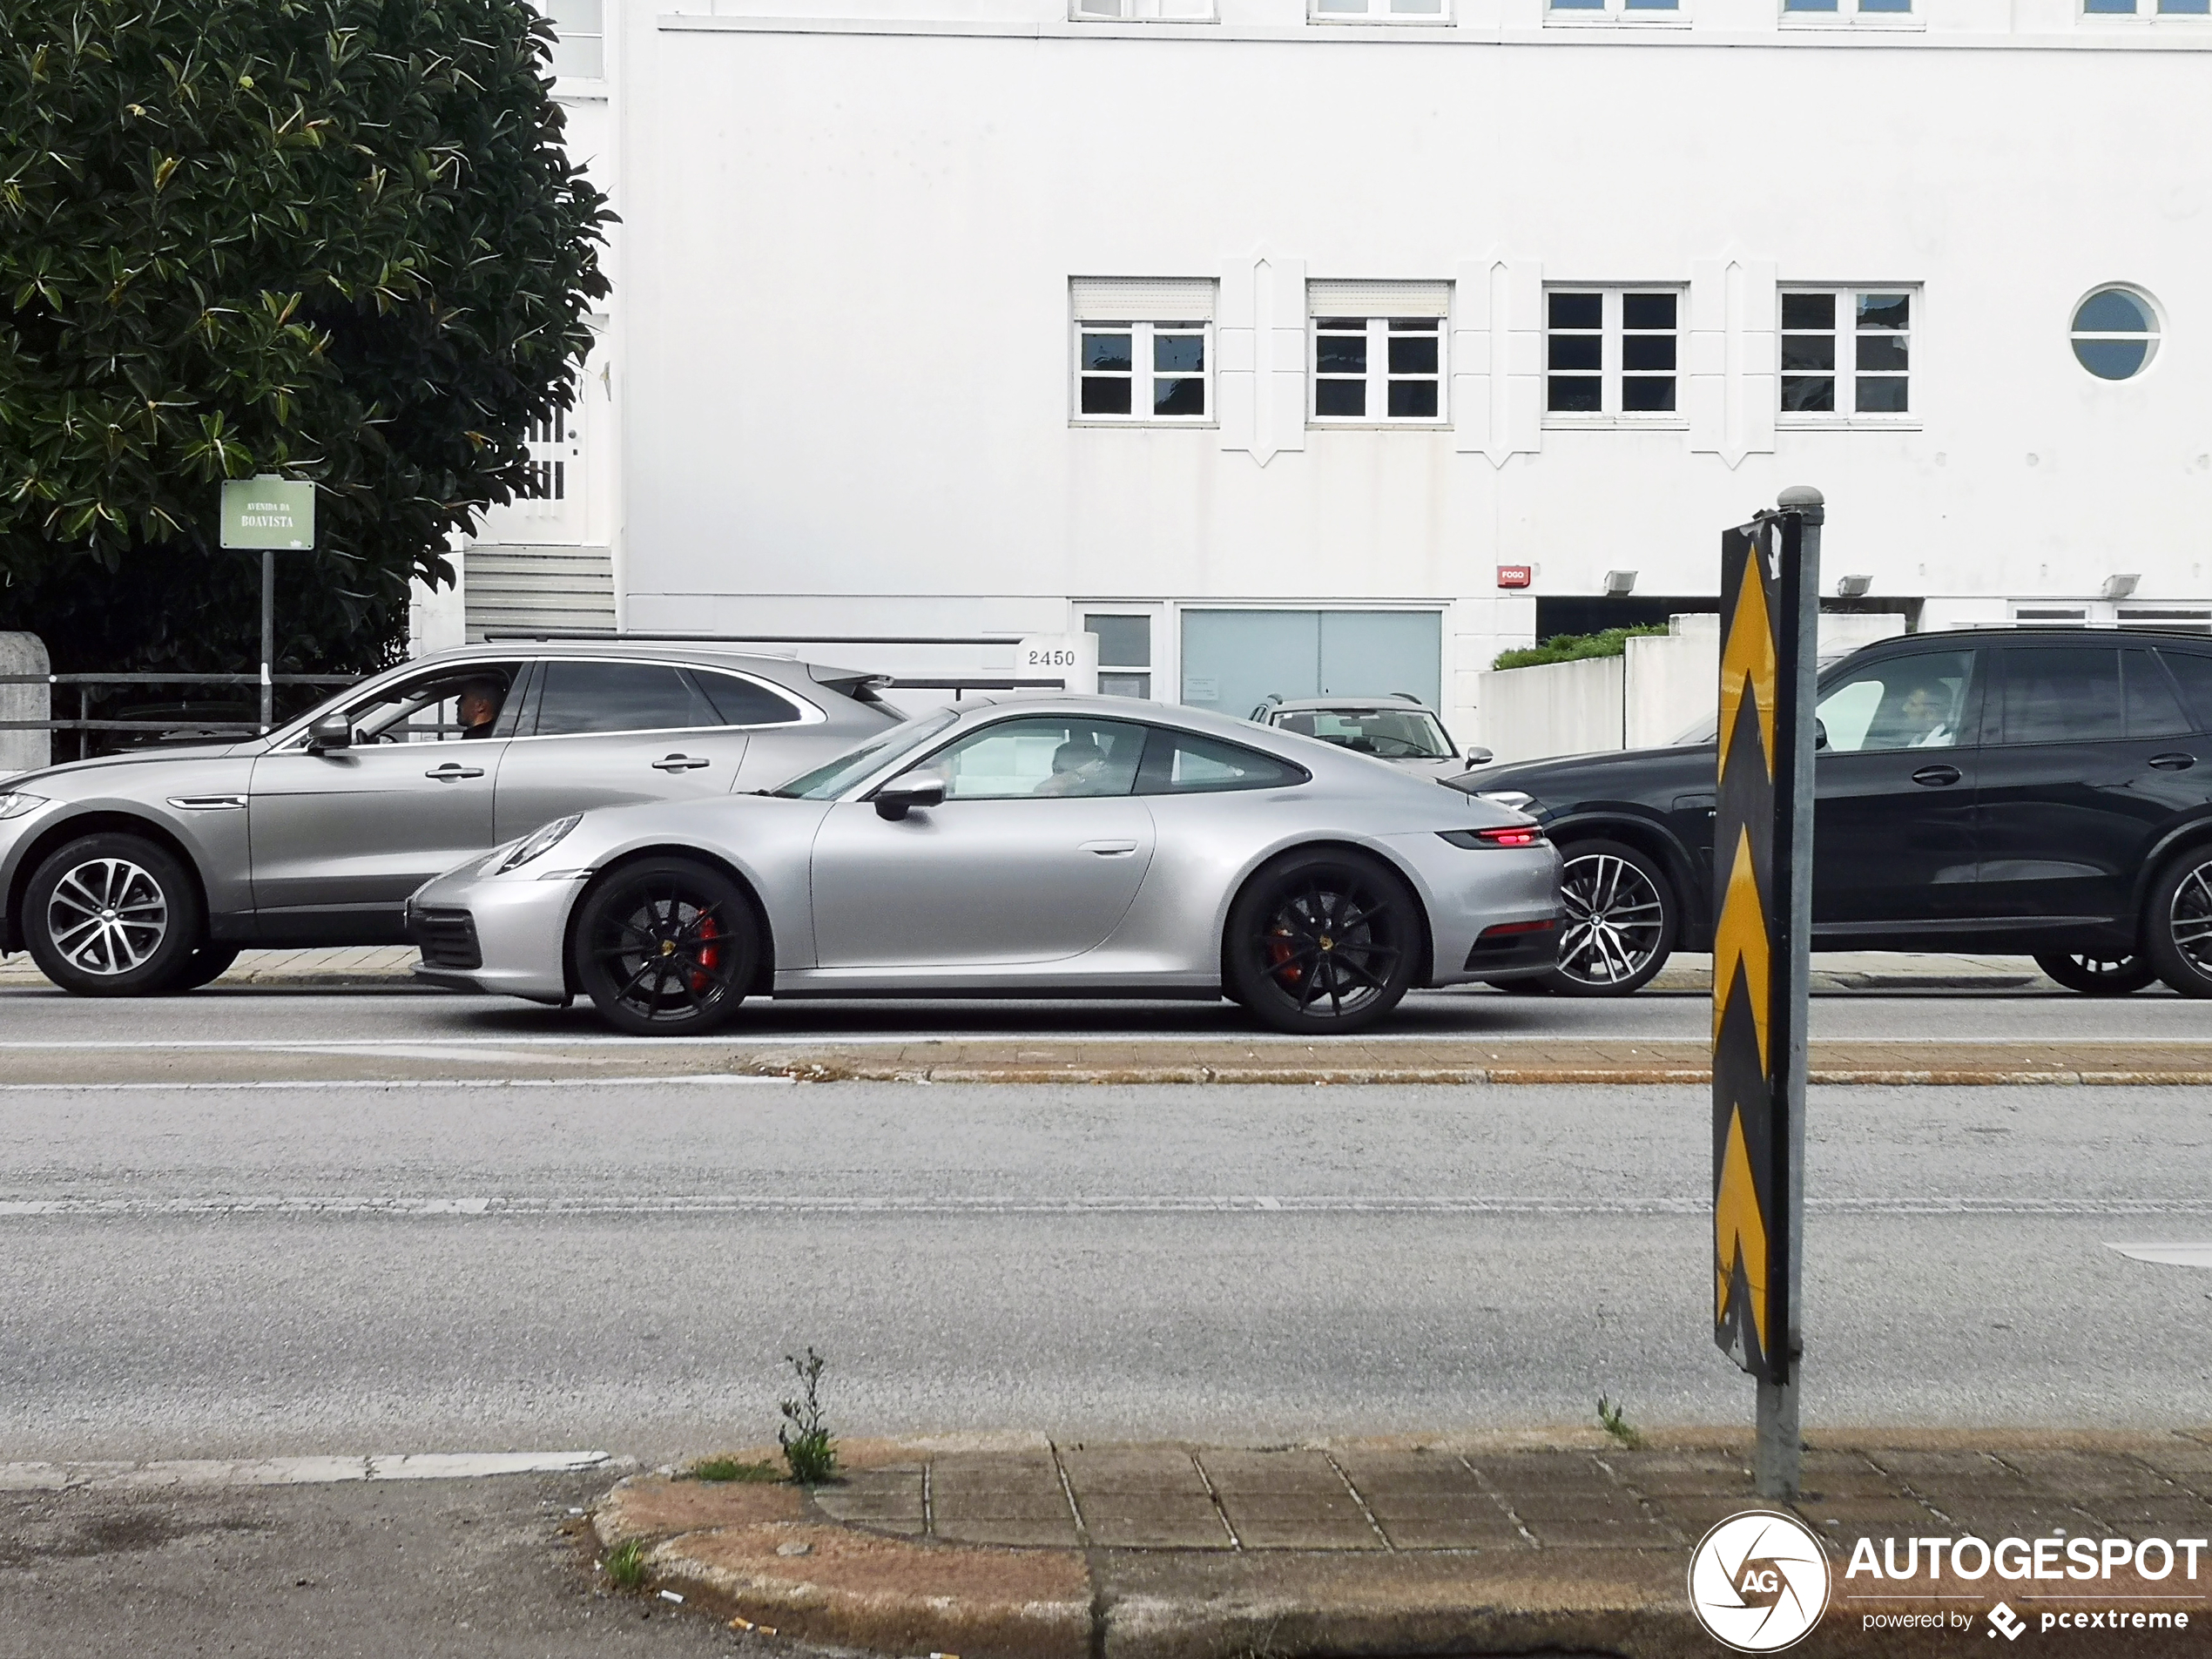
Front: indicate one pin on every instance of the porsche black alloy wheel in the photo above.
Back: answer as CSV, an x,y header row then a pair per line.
x,y
1620,920
667,947
2100,975
1322,942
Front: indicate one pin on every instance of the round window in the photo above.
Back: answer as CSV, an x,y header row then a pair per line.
x,y
2115,333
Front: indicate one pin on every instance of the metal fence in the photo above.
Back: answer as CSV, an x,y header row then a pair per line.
x,y
85,725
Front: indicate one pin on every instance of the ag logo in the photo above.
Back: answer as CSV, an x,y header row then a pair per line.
x,y
1758,1582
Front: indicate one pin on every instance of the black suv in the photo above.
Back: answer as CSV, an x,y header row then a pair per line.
x,y
2026,791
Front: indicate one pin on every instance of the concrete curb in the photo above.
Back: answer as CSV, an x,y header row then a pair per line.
x,y
861,1070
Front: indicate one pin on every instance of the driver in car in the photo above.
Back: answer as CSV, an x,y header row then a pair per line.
x,y
1076,765
477,703
1924,719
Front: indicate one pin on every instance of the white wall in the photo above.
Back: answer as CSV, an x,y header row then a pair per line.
x,y
845,330
1552,708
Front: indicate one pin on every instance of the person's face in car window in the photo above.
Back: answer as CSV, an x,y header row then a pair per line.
x,y
478,706
1926,709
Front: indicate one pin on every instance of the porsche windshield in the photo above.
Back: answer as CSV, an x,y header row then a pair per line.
x,y
828,782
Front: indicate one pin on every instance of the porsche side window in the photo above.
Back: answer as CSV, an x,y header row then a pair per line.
x,y
1178,763
1014,759
1905,703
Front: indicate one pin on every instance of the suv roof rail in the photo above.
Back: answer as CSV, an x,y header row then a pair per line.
x,y
608,635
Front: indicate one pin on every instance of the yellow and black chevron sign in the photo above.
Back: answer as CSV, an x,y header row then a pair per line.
x,y
1757,1012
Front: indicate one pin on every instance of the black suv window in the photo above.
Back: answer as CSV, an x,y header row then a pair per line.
x,y
2152,710
2195,672
575,698
1917,702
2063,694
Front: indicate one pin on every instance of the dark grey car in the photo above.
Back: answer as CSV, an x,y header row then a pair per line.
x,y
148,871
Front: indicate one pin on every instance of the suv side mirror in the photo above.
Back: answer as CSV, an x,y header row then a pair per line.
x,y
902,795
332,732
1479,757
1819,736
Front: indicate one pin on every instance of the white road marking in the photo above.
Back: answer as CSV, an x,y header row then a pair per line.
x,y
584,1204
291,1471
2168,1255
394,1083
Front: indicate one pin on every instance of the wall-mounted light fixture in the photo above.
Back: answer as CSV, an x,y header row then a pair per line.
x,y
1853,587
2119,587
1620,583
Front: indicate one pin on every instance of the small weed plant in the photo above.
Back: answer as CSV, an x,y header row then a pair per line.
x,y
1613,1418
626,1565
809,1449
730,1468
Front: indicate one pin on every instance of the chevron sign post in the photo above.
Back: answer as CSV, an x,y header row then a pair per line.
x,y
1762,937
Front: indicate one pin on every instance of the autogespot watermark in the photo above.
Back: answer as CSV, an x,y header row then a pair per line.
x,y
2153,1569
1759,1581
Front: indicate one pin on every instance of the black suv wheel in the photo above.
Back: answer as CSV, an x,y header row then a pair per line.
x,y
1623,918
112,915
2099,976
2177,923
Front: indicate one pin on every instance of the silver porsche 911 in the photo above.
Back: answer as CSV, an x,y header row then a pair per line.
x,y
1052,847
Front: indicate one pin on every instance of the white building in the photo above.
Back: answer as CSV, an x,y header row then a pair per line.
x,y
1288,334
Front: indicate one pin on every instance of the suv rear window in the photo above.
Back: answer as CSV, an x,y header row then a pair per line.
x,y
2195,672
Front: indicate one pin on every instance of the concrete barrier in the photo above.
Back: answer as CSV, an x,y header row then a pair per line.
x,y
1552,708
24,751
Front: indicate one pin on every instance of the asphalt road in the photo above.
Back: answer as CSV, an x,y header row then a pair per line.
x,y
39,1014
357,1268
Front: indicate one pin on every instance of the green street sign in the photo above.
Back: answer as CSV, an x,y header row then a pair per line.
x,y
268,513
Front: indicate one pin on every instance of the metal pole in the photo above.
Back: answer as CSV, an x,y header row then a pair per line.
x,y
1802,509
268,637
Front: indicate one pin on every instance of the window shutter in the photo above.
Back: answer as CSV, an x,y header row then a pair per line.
x,y
1333,299
1141,299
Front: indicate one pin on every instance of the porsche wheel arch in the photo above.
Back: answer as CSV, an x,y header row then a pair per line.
x,y
763,979
55,836
1425,969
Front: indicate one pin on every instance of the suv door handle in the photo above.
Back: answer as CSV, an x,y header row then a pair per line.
x,y
2175,762
1936,777
453,771
681,763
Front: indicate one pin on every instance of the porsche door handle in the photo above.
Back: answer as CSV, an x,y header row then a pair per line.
x,y
1110,849
453,772
2176,762
681,763
1937,777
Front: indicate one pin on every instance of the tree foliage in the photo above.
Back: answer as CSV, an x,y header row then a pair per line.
x,y
335,240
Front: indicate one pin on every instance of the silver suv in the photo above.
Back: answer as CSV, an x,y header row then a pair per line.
x,y
1399,729
147,872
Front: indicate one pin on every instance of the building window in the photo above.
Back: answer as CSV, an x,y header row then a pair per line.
x,y
2115,333
579,40
1143,349
1378,368
2146,7
1142,371
1616,11
1124,654
1847,10
1381,11
1846,352
1142,10
1611,353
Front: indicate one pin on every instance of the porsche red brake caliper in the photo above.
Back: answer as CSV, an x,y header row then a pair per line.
x,y
710,956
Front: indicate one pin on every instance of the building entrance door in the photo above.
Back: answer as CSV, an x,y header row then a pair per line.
x,y
1234,660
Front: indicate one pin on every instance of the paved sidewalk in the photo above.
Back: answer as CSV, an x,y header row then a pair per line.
x,y
1019,1546
358,968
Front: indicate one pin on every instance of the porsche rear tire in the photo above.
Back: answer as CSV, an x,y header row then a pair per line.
x,y
1323,943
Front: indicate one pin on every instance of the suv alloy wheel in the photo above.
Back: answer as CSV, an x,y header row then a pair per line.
x,y
2177,923
1622,920
112,915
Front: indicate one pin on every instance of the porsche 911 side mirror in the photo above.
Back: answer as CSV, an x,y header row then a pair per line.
x,y
902,795
332,732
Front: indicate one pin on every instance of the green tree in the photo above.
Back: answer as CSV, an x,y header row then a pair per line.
x,y
336,240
